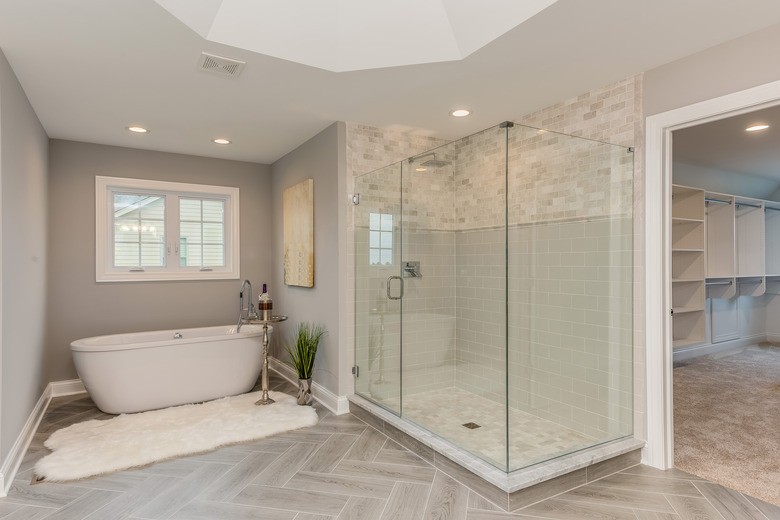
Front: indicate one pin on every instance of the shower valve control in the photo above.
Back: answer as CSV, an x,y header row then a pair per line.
x,y
412,270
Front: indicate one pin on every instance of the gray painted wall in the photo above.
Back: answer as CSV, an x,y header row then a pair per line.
x,y
321,159
736,65
23,157
78,307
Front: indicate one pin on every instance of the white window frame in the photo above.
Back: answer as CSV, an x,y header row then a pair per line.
x,y
105,187
391,232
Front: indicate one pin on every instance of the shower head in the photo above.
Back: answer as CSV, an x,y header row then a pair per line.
x,y
431,163
435,163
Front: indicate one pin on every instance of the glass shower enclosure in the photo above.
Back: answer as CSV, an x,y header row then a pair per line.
x,y
493,293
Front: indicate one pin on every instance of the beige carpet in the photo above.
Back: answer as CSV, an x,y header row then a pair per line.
x,y
727,420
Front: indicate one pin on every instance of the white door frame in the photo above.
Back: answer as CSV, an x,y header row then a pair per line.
x,y
659,452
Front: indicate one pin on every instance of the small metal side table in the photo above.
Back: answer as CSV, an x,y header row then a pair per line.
x,y
265,399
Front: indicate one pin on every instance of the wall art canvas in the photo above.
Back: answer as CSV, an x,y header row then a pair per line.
x,y
298,218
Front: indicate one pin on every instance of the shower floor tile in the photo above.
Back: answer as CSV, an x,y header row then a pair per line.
x,y
452,413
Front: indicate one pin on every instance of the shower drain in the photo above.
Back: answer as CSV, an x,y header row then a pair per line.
x,y
471,425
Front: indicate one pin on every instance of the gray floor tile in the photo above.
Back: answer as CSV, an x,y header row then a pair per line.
x,y
367,446
647,471
771,511
393,456
30,513
85,505
203,510
122,481
286,465
330,453
730,503
477,514
238,476
407,502
341,485
361,508
386,471
691,508
630,498
566,510
477,501
183,492
47,494
291,499
133,500
651,484
653,515
448,500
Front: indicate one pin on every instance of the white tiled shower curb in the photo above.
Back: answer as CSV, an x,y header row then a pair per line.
x,y
509,482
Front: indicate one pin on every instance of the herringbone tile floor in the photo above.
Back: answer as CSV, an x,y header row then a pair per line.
x,y
339,469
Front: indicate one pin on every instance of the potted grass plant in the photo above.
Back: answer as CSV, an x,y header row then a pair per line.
x,y
302,349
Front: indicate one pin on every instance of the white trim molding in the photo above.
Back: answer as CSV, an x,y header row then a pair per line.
x,y
658,323
338,404
14,459
69,387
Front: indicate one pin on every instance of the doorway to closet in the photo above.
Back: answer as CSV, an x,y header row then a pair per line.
x,y
724,243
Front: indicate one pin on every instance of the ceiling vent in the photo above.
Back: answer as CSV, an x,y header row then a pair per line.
x,y
220,65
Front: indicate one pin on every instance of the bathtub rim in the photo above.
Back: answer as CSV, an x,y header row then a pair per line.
x,y
89,344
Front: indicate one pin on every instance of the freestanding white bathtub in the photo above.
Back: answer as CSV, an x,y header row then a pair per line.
x,y
127,373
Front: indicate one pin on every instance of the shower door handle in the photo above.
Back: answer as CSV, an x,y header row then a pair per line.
x,y
390,279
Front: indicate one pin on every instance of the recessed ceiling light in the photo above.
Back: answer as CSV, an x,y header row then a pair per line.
x,y
421,169
220,140
460,112
137,129
756,128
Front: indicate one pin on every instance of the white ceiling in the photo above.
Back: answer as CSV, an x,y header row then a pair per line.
x,y
93,67
724,145
345,35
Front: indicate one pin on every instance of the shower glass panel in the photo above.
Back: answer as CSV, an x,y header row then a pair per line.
x,y
378,286
570,307
511,253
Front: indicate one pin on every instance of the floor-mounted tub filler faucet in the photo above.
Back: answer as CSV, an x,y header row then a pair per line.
x,y
251,314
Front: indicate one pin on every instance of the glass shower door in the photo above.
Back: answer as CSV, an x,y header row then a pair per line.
x,y
378,286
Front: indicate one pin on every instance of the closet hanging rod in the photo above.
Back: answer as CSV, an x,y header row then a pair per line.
x,y
770,207
749,282
718,283
717,200
746,204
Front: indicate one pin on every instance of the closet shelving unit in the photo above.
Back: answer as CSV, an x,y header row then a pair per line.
x,y
722,246
772,246
688,266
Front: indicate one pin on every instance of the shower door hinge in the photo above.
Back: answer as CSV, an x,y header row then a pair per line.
x,y
356,371
356,199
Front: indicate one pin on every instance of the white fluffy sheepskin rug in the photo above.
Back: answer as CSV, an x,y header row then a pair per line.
x,y
98,447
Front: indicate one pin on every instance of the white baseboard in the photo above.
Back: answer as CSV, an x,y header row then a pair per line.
x,y
339,405
69,387
14,459
713,348
19,449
